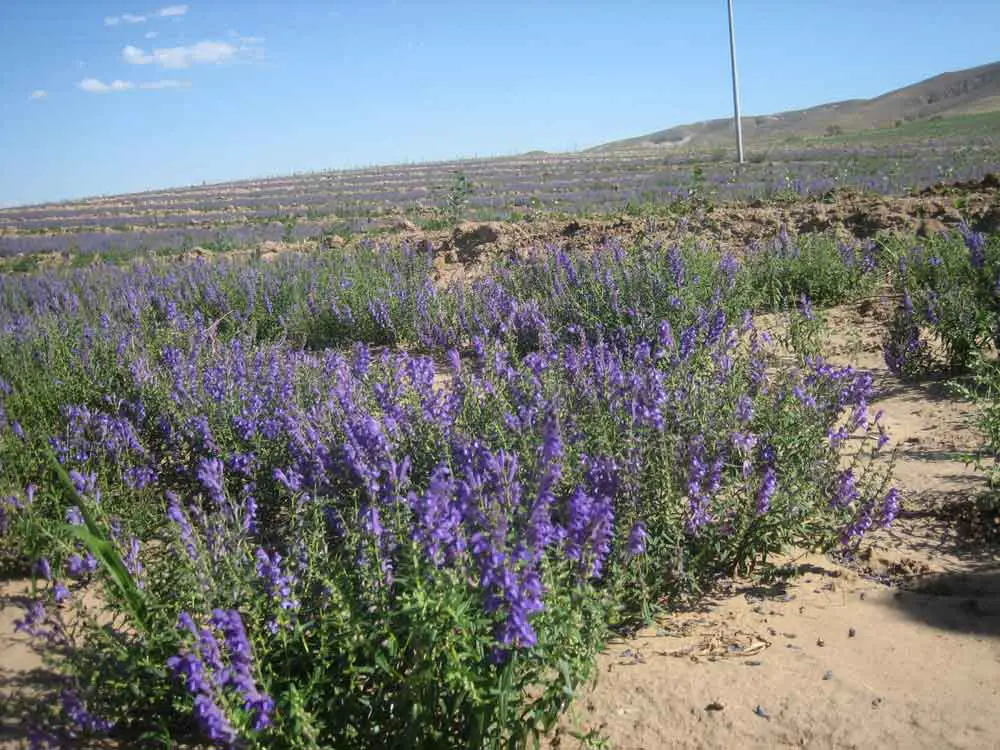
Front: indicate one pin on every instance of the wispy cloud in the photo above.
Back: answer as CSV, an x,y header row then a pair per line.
x,y
170,11
174,58
152,34
95,86
246,40
38,94
169,83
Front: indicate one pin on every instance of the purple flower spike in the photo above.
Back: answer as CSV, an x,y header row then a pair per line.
x,y
890,507
79,718
806,308
765,493
204,672
77,566
637,540
846,490
73,516
59,592
975,242
210,476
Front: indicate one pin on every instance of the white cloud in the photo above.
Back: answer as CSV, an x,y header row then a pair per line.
x,y
95,86
172,11
174,58
39,94
152,34
135,56
168,83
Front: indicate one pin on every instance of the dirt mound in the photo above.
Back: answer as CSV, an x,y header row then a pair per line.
x,y
990,181
850,214
847,214
469,242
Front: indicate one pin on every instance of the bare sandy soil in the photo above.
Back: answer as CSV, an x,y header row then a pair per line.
x,y
899,648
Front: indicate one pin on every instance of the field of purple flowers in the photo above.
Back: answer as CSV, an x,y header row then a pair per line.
x,y
293,209
324,502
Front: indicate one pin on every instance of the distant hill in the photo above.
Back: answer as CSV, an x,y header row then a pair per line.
x,y
971,91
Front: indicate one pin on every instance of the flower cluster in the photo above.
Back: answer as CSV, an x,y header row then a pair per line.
x,y
382,495
216,671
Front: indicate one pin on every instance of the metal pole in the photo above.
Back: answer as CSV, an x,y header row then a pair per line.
x,y
736,87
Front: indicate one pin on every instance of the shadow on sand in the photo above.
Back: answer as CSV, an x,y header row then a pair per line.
x,y
962,602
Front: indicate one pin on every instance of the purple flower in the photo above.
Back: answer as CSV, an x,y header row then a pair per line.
x,y
675,262
890,507
77,566
933,304
591,517
688,338
765,492
79,718
438,518
806,308
637,539
729,265
975,242
845,492
665,335
206,674
38,624
289,478
43,739
59,592
210,476
138,477
716,327
703,481
883,437
859,527
213,720
277,582
744,409
177,516
133,564
84,484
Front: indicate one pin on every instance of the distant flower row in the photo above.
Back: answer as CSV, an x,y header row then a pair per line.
x,y
506,188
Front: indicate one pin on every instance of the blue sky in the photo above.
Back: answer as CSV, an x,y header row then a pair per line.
x,y
212,90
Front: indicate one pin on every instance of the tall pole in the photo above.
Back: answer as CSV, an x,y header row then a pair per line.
x,y
736,87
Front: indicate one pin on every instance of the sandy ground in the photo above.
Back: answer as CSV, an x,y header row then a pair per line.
x,y
833,657
900,649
